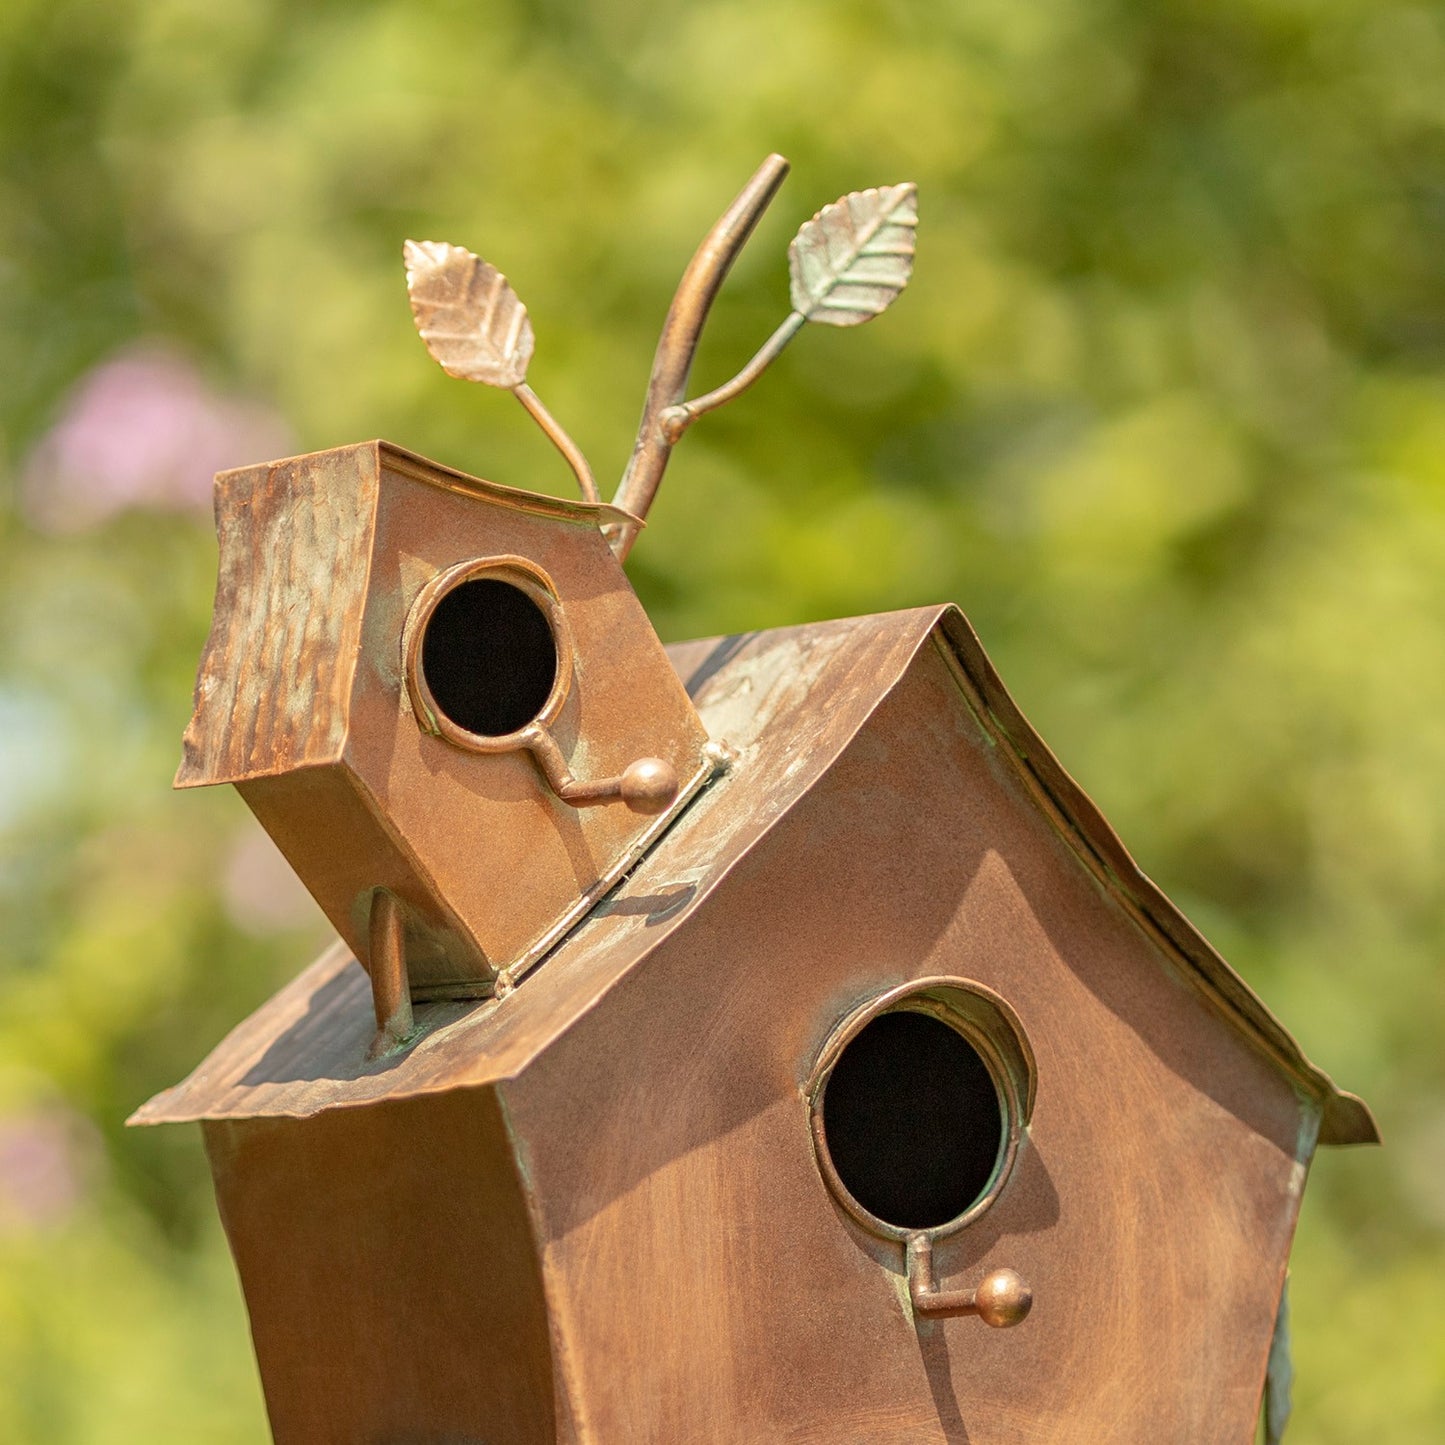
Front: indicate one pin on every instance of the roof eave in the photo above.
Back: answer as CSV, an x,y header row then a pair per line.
x,y
1346,1119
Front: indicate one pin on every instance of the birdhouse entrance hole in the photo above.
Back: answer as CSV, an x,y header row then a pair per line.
x,y
488,656
913,1120
919,1101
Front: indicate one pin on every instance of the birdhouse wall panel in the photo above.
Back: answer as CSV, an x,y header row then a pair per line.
x,y
389,1272
295,541
331,832
666,1136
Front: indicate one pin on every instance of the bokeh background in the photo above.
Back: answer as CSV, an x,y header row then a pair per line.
x,y
1164,410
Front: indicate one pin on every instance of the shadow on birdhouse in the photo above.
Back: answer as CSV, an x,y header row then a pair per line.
x,y
720,1038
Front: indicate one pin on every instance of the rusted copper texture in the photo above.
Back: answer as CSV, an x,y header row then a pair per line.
x,y
313,701
593,1209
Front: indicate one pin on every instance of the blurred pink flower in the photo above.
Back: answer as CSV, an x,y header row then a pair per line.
x,y
48,1156
261,892
143,429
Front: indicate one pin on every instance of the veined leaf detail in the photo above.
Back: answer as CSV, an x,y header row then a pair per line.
x,y
469,317
849,262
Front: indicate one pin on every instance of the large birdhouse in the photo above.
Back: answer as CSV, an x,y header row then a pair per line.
x,y
755,1039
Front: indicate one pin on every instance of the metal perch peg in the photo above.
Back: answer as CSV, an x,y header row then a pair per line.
x,y
645,785
1001,1300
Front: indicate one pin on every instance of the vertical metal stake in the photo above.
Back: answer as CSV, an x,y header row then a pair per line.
x,y
390,986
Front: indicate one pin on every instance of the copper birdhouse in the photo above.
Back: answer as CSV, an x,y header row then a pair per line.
x,y
755,1039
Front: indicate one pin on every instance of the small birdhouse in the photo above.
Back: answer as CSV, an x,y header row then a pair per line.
x,y
755,1039
446,705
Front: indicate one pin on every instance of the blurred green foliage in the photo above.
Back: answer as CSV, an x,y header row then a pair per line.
x,y
1164,409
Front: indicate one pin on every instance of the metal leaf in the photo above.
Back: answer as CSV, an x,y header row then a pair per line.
x,y
852,259
469,317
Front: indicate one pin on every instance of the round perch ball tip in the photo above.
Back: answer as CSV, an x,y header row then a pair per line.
x,y
1003,1299
649,785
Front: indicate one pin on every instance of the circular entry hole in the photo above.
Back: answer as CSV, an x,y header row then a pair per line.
x,y
913,1122
489,657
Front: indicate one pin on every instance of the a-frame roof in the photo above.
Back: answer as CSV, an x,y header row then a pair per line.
x,y
788,701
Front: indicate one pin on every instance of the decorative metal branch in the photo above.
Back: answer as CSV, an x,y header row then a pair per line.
x,y
846,265
675,348
477,328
